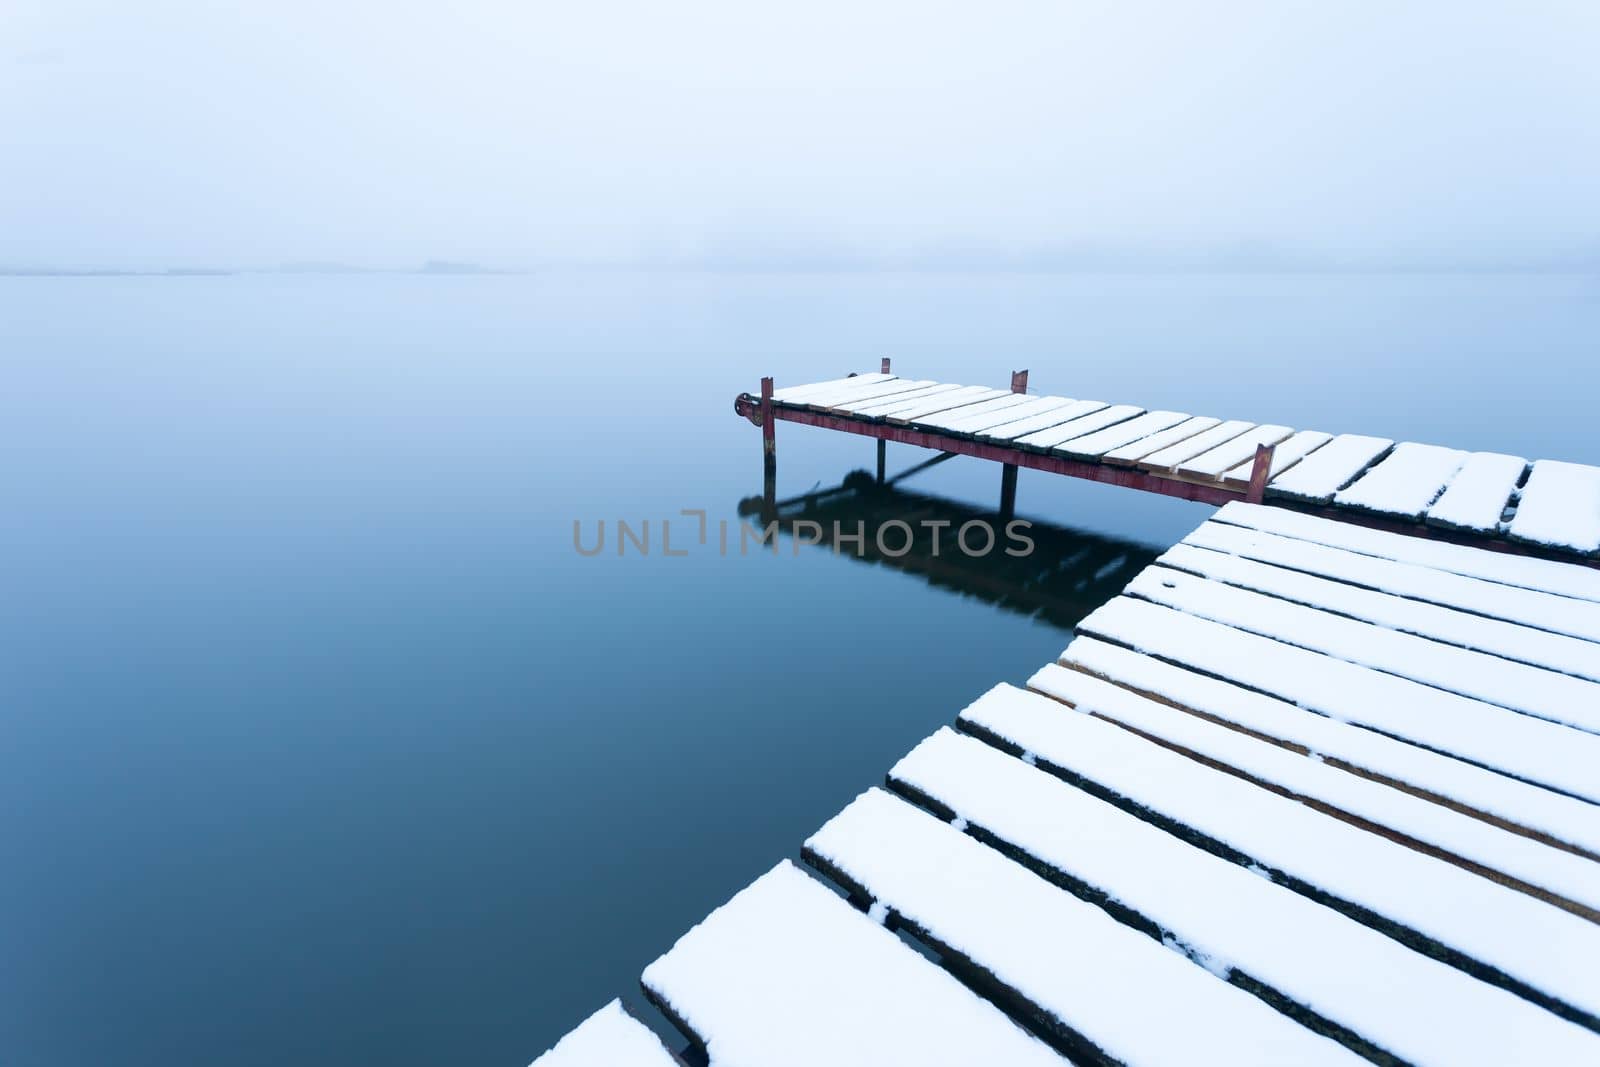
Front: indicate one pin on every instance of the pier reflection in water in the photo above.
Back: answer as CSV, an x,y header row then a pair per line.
x,y
1050,572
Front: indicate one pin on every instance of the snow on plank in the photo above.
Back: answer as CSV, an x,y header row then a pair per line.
x,y
857,394
1550,874
786,964
1198,554
1214,463
1375,990
1170,457
793,393
1534,691
1083,974
856,407
1094,445
1476,498
1039,405
1011,430
1536,751
1560,506
1531,609
913,409
1539,813
1330,468
1085,424
1405,481
1505,937
944,420
608,1038
937,400
1133,451
1550,576
1299,445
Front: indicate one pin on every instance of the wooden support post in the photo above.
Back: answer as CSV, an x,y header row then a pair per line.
x,y
1008,472
1259,472
769,441
883,458
885,367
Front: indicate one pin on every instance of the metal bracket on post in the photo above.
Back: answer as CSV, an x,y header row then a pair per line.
x,y
1259,471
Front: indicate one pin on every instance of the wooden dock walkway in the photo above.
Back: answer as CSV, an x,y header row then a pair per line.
x,y
1304,792
1546,507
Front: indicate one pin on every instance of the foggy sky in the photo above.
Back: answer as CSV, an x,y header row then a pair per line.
x,y
180,132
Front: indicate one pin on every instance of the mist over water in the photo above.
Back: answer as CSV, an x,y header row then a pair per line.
x,y
1252,134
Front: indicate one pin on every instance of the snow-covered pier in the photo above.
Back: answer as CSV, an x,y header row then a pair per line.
x,y
1546,507
1305,792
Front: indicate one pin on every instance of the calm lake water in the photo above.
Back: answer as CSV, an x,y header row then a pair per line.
x,y
321,743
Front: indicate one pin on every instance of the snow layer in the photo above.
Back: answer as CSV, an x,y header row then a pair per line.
x,y
1213,462
1478,494
1081,426
1559,817
1560,506
1551,950
1039,405
1556,624
927,392
786,967
797,393
899,387
1092,445
1171,456
1023,426
1299,445
1557,652
1557,872
608,1038
1529,748
1563,579
1326,471
946,419
911,409
1419,1009
1066,956
1492,679
1405,482
1144,446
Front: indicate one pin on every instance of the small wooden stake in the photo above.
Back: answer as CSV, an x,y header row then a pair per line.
x,y
1258,474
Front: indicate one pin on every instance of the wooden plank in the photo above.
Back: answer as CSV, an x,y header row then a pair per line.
x,y
1205,553
786,965
945,420
1299,445
1039,405
1216,462
1536,751
794,393
1084,424
1313,962
1562,878
1515,805
609,1038
1128,454
1331,468
1405,482
1550,576
1081,974
963,394
1096,444
1492,932
1478,495
916,409
1012,430
924,393
859,393
1170,457
1560,506
1530,608
1517,687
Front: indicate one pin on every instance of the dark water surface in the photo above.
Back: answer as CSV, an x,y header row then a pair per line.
x,y
321,743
